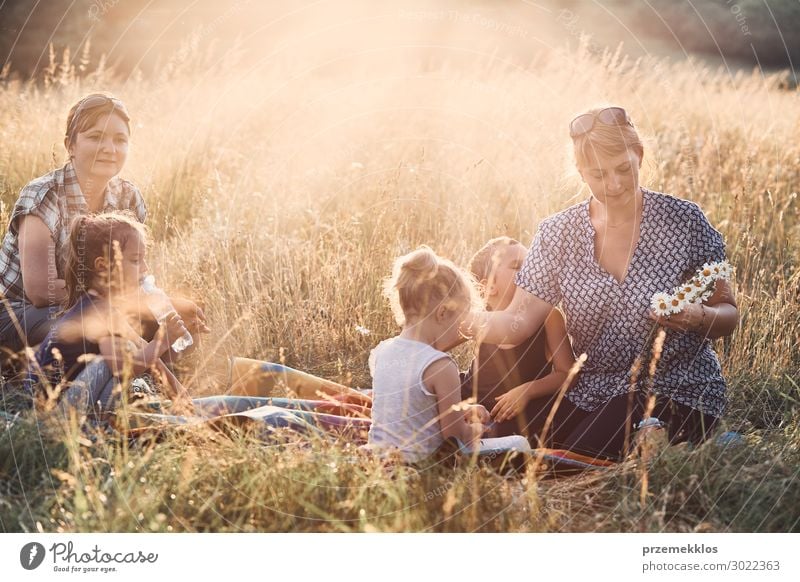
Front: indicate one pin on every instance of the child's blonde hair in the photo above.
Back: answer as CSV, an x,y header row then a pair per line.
x,y
606,140
421,281
486,260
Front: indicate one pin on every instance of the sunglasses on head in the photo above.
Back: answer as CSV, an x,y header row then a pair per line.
x,y
94,101
585,122
97,100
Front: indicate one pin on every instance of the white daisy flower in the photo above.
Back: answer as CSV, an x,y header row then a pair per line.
x,y
697,290
707,273
676,305
705,295
683,293
698,285
660,303
725,270
686,292
713,267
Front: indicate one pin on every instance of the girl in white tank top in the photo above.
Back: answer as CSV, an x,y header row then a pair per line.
x,y
416,385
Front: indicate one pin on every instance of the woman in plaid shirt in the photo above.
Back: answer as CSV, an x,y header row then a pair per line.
x,y
34,249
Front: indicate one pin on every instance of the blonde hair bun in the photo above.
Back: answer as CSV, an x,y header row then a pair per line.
x,y
421,280
419,265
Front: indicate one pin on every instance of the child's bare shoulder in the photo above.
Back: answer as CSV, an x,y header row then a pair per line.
x,y
442,370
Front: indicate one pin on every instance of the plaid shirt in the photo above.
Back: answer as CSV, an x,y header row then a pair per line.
x,y
56,199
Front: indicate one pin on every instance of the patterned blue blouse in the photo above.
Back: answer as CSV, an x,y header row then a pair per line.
x,y
608,320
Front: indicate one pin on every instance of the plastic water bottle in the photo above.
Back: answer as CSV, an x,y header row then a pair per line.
x,y
160,306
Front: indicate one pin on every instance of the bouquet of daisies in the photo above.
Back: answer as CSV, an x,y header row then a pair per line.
x,y
697,290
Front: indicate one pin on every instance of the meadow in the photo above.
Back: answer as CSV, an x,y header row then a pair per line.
x,y
279,197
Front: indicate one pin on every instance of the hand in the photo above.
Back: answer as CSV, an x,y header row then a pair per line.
x,y
689,320
477,413
511,403
192,315
171,329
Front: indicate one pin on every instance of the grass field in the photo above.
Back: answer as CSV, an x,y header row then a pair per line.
x,y
280,195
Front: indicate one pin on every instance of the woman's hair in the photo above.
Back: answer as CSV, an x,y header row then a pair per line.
x,y
421,281
487,258
85,113
606,140
101,235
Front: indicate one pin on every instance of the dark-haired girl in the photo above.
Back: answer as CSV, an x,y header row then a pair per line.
x,y
93,349
34,250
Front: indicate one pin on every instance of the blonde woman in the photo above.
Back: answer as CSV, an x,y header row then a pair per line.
x,y
601,261
34,250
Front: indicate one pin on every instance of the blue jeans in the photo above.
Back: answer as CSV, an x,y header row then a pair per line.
x,y
34,322
93,389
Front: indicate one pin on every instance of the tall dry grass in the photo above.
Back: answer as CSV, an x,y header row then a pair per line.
x,y
279,195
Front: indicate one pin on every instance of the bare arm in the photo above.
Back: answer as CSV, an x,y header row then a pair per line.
x,y
722,312
115,348
559,350
441,378
37,257
519,321
192,315
117,354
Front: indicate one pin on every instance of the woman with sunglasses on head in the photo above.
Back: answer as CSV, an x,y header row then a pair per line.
x,y
601,261
33,253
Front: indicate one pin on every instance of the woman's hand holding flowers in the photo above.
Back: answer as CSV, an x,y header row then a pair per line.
x,y
685,310
689,319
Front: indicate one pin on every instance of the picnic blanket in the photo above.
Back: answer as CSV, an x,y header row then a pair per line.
x,y
307,417
512,454
326,409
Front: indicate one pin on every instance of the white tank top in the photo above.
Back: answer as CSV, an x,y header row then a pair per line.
x,y
405,415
